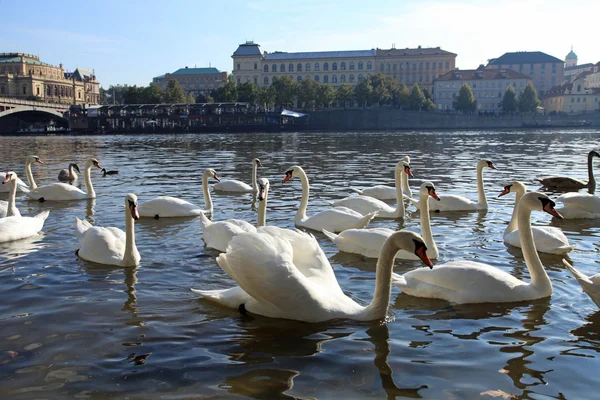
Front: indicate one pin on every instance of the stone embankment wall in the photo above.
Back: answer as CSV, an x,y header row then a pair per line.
x,y
385,118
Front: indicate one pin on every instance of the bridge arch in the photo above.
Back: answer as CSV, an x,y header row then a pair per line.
x,y
20,109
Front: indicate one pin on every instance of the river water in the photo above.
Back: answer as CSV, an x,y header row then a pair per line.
x,y
71,329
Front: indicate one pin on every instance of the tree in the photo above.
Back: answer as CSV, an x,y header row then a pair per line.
x,y
227,93
190,99
509,101
429,105
133,95
247,92
364,92
383,88
400,97
465,101
307,92
204,98
153,94
325,95
285,90
528,99
174,93
426,94
416,99
344,94
266,96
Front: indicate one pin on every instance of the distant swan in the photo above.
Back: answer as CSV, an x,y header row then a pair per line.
x,y
334,220
236,186
69,174
383,192
105,172
473,282
275,283
110,246
565,182
579,206
169,207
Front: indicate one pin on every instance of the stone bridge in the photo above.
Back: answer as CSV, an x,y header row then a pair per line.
x,y
10,106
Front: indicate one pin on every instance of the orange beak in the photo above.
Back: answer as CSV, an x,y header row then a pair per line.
x,y
288,176
217,178
134,212
422,254
408,172
39,161
552,211
433,194
6,179
505,191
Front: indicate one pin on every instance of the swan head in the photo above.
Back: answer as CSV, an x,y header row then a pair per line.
x,y
428,189
256,162
515,187
539,202
411,242
263,188
131,204
406,159
75,167
33,159
292,172
10,176
594,153
92,162
405,167
103,170
211,173
484,163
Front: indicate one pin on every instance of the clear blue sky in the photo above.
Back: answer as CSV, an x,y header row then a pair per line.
x,y
129,42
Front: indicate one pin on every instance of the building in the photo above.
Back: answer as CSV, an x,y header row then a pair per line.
x,y
544,70
194,81
408,66
488,86
571,59
593,78
24,76
572,70
573,97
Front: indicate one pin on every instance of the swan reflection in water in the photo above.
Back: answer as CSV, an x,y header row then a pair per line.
x,y
11,251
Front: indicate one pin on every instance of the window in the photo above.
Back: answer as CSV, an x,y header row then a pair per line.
x,y
395,66
325,66
427,65
531,68
255,80
334,79
352,77
299,67
585,99
25,89
266,81
325,79
439,65
381,67
266,68
389,66
79,95
238,66
299,79
274,68
414,65
307,67
317,78
343,78
579,88
255,66
291,68
334,66
282,68
433,65
343,66
579,100
369,65
352,65
420,65
317,66
543,68
360,77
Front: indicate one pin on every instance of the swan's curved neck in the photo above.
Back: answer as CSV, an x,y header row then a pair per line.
x,y
539,277
405,187
514,221
254,168
481,199
432,249
262,211
301,214
591,178
12,199
71,171
89,188
399,198
30,179
206,193
383,282
129,257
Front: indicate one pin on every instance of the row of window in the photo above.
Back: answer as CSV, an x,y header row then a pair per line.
x,y
485,85
401,66
317,66
334,78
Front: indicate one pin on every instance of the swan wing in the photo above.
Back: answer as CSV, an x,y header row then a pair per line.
x,y
582,201
167,206
232,297
57,192
452,202
15,228
380,192
6,188
548,239
364,204
218,234
102,245
81,226
366,242
462,282
590,285
561,181
232,185
336,220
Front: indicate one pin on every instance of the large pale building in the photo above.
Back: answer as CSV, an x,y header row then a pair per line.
x,y
488,86
578,96
194,81
24,76
408,66
544,70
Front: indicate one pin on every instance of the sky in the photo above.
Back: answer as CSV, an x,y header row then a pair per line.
x,y
130,42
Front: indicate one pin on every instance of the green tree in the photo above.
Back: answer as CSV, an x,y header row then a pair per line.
x,y
401,96
364,93
509,101
325,95
344,94
307,92
416,99
465,101
528,99
426,94
190,99
266,96
227,93
286,90
153,94
247,92
204,98
383,88
174,93
133,95
429,105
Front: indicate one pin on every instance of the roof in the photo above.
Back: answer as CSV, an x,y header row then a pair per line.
x,y
581,66
279,55
479,74
525,57
16,58
248,49
558,90
197,71
419,51
571,55
81,74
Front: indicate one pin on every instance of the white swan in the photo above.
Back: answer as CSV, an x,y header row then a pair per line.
x,y
236,186
169,207
589,284
383,192
472,282
63,191
110,246
579,206
366,204
451,202
9,209
368,242
565,182
217,235
69,174
15,228
28,161
6,188
548,239
272,282
334,220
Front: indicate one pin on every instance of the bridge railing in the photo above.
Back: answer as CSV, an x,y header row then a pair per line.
x,y
31,103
